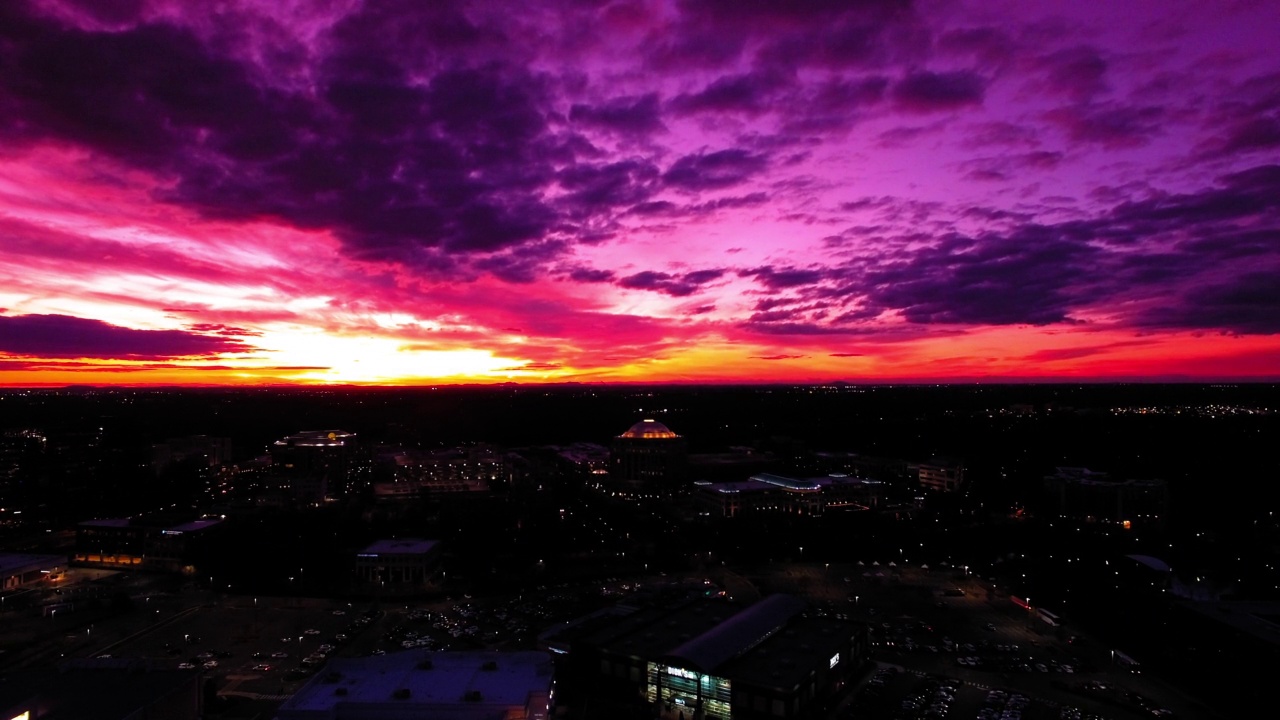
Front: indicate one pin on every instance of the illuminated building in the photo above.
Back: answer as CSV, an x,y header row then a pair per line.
x,y
420,683
103,689
1090,496
941,474
146,543
314,463
707,658
407,474
398,565
648,460
767,492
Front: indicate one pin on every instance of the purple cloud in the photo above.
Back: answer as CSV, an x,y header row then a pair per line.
x,y
674,285
626,115
924,92
711,171
63,336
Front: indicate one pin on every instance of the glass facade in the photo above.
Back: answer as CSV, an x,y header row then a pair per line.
x,y
675,686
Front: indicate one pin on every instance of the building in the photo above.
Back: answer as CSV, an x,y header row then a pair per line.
x,y
648,461
200,450
1083,494
102,689
144,543
398,565
409,473
315,464
767,492
20,570
941,474
420,683
735,463
708,658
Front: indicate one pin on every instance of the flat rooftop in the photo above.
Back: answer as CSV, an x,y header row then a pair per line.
x,y
405,546
17,564
427,684
108,523
786,658
195,525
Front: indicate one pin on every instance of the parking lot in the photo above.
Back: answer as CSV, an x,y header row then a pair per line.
x,y
941,627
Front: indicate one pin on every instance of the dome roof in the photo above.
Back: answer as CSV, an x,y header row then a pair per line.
x,y
649,430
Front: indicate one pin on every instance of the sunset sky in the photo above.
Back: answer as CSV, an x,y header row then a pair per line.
x,y
410,192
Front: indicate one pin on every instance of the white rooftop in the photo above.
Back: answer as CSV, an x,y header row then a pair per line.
x,y
420,683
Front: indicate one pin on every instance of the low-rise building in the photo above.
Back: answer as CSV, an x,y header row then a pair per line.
x,y
143,543
401,565
1082,494
18,570
766,492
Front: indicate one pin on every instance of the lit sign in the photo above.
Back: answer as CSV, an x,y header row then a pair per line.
x,y
835,660
170,532
681,672
367,555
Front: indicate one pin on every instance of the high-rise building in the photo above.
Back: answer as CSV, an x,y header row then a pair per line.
x,y
648,460
314,463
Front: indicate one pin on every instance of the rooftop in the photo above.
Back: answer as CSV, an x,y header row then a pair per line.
x,y
403,546
440,685
195,525
16,564
747,628
649,430
317,438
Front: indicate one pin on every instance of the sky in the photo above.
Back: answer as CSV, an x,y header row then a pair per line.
x,y
735,191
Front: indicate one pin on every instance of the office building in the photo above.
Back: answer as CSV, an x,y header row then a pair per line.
x,y
708,658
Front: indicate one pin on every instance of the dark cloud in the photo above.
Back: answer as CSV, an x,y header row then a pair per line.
x,y
626,115
1248,303
1111,126
593,187
590,275
1073,353
835,105
778,279
396,159
1078,73
1005,167
748,93
1031,276
937,92
778,357
991,47
711,171
674,285
62,336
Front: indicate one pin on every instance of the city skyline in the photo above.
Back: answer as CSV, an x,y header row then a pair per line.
x,y
409,193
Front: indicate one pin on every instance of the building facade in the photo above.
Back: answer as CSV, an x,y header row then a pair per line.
x,y
706,658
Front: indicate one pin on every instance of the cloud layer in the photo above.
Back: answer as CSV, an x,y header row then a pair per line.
x,y
726,191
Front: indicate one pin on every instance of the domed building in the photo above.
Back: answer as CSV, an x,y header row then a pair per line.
x,y
648,461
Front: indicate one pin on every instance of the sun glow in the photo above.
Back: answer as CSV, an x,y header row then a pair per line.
x,y
347,359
